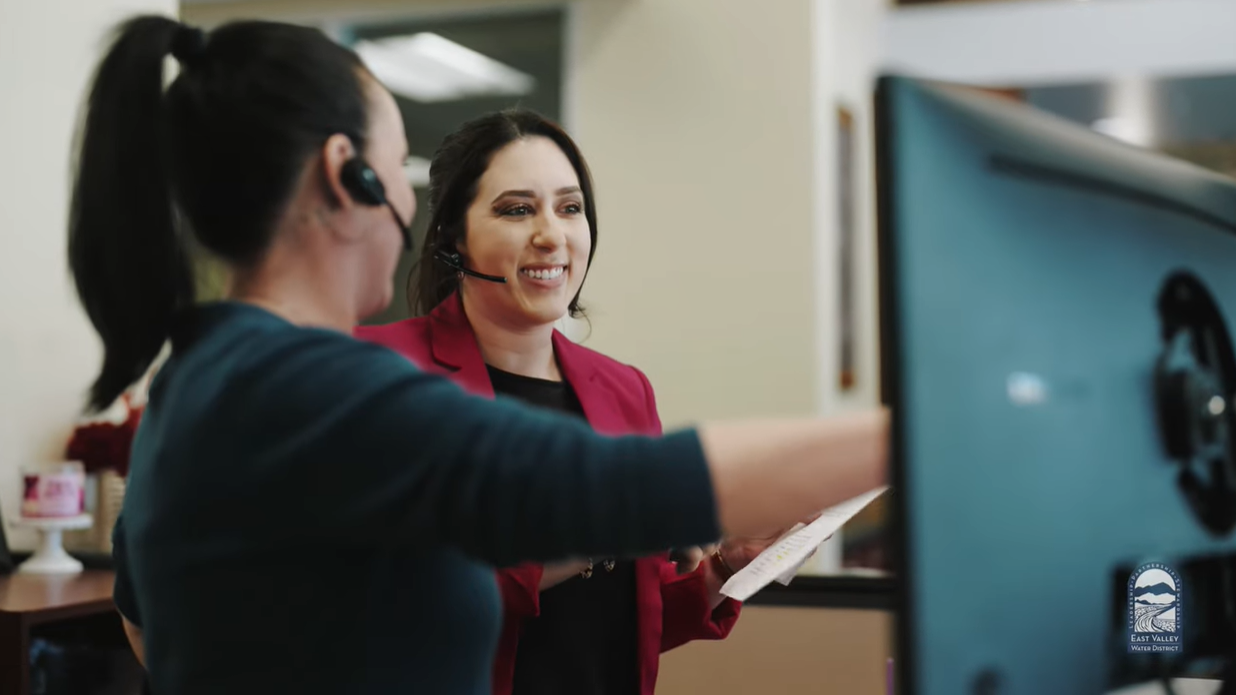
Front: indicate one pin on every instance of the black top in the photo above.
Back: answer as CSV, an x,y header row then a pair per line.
x,y
307,513
583,642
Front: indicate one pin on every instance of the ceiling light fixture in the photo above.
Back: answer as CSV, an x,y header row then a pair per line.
x,y
416,169
429,68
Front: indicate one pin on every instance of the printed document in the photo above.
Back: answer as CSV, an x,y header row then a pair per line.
x,y
782,560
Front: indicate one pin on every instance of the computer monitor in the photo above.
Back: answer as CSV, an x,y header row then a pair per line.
x,y
1054,307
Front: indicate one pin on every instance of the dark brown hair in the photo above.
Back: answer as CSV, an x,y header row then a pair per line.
x,y
454,175
216,155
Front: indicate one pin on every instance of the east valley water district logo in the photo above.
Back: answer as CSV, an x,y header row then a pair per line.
x,y
1155,595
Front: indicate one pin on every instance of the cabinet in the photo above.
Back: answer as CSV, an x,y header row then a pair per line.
x,y
74,609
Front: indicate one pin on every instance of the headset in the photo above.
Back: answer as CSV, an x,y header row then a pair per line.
x,y
1195,380
362,182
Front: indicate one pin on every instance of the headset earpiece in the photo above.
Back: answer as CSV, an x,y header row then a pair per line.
x,y
451,260
362,182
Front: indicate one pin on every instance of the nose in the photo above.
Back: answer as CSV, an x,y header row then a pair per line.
x,y
548,234
411,204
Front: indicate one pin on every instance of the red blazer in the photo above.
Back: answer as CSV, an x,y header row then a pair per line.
x,y
617,399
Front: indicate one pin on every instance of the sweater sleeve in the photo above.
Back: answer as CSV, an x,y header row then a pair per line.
x,y
381,449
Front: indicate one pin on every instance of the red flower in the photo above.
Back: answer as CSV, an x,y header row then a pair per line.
x,y
104,445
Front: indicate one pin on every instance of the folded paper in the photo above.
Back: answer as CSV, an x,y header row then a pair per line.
x,y
782,560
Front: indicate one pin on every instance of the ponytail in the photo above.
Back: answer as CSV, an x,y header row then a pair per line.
x,y
153,165
128,262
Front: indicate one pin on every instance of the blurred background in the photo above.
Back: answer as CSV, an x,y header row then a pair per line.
x,y
731,144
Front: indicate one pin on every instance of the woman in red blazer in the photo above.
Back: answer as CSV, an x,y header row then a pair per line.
x,y
511,234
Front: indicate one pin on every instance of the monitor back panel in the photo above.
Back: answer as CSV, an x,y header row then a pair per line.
x,y
1022,260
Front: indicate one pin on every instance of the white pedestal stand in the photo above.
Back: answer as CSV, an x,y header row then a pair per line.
x,y
50,557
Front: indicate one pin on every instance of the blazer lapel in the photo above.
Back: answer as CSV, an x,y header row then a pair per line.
x,y
580,371
455,348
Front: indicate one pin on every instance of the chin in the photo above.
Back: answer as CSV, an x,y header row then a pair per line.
x,y
376,306
542,313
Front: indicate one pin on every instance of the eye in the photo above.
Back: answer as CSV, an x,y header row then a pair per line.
x,y
520,210
572,208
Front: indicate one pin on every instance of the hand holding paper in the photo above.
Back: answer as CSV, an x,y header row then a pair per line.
x,y
783,559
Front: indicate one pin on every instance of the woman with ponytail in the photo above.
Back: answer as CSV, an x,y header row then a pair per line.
x,y
305,512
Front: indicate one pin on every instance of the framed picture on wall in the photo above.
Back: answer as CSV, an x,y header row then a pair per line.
x,y
864,538
846,208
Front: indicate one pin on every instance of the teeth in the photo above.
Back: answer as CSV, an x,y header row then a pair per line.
x,y
544,274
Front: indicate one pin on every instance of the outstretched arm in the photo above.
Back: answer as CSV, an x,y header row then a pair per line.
x,y
512,484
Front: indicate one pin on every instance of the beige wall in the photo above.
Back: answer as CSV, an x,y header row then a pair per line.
x,y
786,651
48,354
696,118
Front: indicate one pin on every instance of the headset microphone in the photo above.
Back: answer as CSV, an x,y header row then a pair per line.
x,y
453,261
403,228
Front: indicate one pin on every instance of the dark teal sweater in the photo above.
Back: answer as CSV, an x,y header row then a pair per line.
x,y
307,513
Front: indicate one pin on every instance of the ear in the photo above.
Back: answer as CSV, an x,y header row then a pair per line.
x,y
336,150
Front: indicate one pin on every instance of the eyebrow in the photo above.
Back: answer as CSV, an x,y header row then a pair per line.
x,y
532,194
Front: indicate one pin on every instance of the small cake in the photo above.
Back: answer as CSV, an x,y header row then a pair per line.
x,y
54,490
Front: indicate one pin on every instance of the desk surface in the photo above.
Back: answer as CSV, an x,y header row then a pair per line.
x,y
89,591
28,601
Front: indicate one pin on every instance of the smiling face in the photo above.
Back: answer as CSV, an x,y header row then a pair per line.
x,y
526,224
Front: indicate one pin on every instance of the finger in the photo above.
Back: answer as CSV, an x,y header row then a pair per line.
x,y
691,559
684,555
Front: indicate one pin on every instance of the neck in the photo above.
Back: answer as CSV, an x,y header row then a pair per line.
x,y
296,304
527,351
298,287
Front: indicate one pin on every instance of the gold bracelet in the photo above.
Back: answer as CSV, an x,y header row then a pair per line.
x,y
720,566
